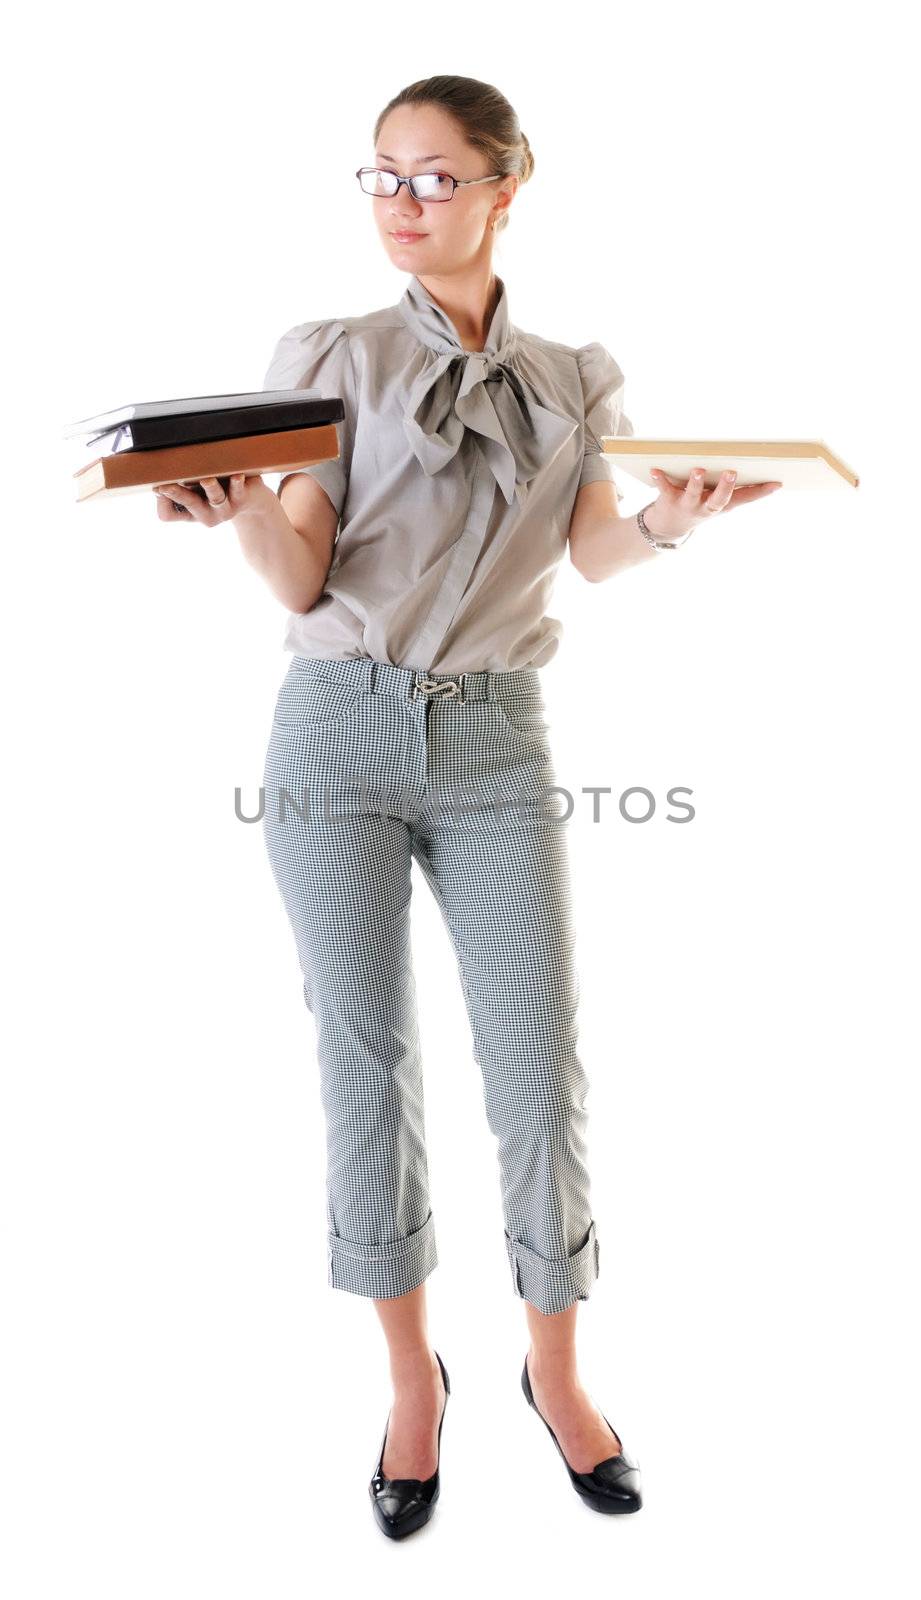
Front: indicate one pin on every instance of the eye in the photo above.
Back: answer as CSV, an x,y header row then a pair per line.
x,y
433,184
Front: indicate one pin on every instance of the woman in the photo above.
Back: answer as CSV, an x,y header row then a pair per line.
x,y
410,727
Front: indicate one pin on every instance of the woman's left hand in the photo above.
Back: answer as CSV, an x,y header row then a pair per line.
x,y
681,506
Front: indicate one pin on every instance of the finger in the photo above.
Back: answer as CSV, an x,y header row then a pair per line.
x,y
721,494
168,495
176,491
215,494
752,491
693,490
663,481
237,486
187,501
773,483
170,510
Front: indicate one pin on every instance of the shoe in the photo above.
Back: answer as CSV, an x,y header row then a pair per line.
x,y
401,1505
614,1484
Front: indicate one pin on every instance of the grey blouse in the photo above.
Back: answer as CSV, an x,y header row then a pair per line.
x,y
455,483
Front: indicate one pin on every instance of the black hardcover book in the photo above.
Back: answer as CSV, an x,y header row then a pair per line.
x,y
195,419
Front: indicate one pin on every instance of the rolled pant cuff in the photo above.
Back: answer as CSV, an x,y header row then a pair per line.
x,y
553,1284
383,1270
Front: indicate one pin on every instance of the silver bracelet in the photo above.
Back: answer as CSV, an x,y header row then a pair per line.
x,y
658,544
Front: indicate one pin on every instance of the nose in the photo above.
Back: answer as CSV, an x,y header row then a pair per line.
x,y
409,211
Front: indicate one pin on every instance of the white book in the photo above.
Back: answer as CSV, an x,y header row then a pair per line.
x,y
796,463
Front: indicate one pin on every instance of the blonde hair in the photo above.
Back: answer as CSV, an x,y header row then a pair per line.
x,y
483,115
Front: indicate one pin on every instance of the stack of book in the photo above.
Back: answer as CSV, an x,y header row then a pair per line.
x,y
204,436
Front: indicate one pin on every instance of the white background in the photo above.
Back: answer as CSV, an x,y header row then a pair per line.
x,y
723,198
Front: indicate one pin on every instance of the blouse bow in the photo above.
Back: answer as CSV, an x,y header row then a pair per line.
x,y
480,391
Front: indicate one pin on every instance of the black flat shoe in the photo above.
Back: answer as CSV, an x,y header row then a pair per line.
x,y
614,1484
401,1505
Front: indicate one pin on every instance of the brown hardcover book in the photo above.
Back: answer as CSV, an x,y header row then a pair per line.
x,y
252,453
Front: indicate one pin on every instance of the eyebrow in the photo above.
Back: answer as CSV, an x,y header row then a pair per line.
x,y
418,161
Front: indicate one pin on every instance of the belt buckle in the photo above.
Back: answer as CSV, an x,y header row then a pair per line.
x,y
425,687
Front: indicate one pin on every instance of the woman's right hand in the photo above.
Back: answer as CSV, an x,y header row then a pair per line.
x,y
208,502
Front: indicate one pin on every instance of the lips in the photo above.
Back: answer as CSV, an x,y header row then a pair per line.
x,y
405,233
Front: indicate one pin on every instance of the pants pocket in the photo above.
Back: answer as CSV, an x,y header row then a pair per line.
x,y
314,702
524,714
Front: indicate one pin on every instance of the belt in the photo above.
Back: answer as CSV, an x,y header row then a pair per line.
x,y
426,688
382,677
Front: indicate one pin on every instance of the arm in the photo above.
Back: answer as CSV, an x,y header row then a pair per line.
x,y
289,540
601,541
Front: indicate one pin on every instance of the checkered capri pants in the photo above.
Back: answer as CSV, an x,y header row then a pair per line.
x,y
369,767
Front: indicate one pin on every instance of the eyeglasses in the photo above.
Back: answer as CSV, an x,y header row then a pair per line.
x,y
424,186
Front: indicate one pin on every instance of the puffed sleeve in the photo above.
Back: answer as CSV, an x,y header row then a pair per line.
x,y
317,356
603,395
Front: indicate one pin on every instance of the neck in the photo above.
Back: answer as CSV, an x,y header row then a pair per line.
x,y
469,298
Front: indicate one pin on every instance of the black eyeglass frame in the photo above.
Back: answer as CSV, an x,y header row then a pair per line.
x,y
427,199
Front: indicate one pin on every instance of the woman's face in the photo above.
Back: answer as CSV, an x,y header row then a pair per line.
x,y
449,234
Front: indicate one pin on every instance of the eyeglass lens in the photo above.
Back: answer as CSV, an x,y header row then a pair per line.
x,y
424,186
